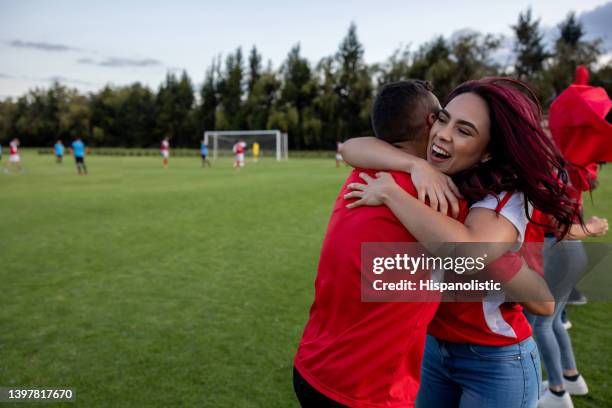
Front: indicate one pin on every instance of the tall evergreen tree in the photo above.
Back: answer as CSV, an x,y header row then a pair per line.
x,y
209,100
231,113
571,50
528,46
254,69
173,110
295,95
395,68
354,87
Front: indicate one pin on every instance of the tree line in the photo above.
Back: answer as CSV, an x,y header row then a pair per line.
x,y
316,104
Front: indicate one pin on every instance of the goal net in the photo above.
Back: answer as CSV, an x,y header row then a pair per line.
x,y
272,143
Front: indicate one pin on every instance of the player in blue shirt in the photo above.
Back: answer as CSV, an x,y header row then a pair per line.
x,y
78,151
204,153
59,151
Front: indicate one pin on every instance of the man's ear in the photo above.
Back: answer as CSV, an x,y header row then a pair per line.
x,y
431,118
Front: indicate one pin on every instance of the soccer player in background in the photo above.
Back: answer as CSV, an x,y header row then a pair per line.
x,y
204,153
78,151
59,151
339,158
255,151
239,149
14,158
164,149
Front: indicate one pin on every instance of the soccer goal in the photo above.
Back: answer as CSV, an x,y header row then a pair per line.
x,y
272,143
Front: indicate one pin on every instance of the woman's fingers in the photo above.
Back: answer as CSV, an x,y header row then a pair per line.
x,y
453,187
366,177
354,194
454,203
356,186
442,203
357,203
422,194
433,199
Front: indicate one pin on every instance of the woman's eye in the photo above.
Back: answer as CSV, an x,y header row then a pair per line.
x,y
442,119
464,132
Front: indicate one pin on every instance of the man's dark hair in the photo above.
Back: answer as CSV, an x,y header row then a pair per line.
x,y
400,110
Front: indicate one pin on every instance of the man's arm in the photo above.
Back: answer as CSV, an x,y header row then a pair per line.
x,y
532,292
430,183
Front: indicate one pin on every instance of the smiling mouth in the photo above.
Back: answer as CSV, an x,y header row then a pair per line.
x,y
439,153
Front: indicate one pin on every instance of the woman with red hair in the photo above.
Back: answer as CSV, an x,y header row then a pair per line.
x,y
488,138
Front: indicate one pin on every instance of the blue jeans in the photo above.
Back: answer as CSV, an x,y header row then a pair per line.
x,y
564,265
472,376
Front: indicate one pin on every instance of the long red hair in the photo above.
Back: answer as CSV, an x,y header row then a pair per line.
x,y
523,158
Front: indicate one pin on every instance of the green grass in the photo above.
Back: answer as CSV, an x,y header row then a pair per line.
x,y
139,286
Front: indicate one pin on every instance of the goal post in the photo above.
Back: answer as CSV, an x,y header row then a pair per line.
x,y
273,143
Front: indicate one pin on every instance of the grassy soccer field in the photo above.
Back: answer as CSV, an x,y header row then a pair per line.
x,y
139,286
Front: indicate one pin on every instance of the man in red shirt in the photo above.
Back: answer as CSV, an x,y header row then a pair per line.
x,y
367,354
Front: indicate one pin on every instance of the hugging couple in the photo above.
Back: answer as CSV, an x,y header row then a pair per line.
x,y
471,171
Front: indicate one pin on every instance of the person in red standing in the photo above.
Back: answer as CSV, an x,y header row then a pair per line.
x,y
14,158
355,353
565,263
239,149
164,150
339,158
579,127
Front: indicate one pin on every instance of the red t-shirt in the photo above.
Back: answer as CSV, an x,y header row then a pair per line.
x,y
531,251
165,145
362,354
239,148
490,322
12,148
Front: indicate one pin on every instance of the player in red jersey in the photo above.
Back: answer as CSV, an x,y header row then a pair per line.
x,y
339,158
239,148
368,354
479,353
164,150
14,158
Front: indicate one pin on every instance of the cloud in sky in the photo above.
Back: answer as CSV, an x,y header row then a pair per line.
x,y
118,62
62,79
597,24
42,46
54,78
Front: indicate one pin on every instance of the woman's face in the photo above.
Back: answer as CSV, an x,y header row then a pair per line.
x,y
459,137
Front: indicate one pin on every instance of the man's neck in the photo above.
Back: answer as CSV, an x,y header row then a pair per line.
x,y
414,148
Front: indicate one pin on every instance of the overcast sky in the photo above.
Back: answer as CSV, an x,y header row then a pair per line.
x,y
87,44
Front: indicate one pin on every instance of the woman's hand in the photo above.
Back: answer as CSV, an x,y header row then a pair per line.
x,y
596,227
373,192
435,185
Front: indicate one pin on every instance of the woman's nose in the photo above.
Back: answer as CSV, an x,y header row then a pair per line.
x,y
444,134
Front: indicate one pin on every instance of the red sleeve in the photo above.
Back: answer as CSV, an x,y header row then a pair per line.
x,y
504,268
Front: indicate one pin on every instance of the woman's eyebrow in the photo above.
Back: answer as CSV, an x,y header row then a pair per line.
x,y
469,124
459,121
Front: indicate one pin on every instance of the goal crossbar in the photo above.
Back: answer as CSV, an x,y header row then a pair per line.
x,y
281,139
